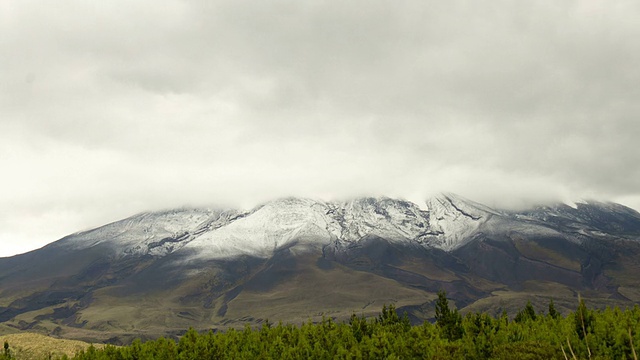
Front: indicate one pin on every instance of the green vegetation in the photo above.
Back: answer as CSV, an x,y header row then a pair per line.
x,y
610,333
448,321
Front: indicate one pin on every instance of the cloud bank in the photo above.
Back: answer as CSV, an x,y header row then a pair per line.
x,y
108,109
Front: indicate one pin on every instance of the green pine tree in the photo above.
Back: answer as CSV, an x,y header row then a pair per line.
x,y
528,313
553,313
449,321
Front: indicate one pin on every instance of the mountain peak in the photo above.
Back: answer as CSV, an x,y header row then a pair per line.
x,y
448,222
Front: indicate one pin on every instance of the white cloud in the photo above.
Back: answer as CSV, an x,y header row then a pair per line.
x,y
112,108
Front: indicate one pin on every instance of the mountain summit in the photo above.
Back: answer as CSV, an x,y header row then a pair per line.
x,y
294,259
217,234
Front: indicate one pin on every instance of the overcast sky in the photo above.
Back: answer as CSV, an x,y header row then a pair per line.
x,y
109,108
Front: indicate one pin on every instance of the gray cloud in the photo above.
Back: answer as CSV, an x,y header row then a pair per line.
x,y
112,108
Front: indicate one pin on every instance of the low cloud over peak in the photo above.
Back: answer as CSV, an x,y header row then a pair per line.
x,y
109,109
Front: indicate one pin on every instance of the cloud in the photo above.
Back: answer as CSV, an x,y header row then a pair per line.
x,y
112,108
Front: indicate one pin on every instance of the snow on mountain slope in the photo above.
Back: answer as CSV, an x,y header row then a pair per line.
x,y
591,218
271,226
449,223
454,220
291,221
155,233
279,224
395,220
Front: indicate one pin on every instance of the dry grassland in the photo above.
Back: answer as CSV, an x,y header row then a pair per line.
x,y
31,346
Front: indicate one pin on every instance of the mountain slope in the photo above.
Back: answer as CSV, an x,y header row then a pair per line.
x,y
294,259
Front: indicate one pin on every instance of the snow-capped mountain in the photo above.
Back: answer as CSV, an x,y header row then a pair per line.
x,y
448,223
295,258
